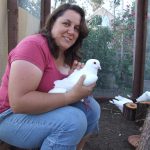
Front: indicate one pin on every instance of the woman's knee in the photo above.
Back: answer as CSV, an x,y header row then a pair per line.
x,y
76,121
71,129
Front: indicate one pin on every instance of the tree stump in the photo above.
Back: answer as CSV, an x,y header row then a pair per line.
x,y
129,111
141,112
144,143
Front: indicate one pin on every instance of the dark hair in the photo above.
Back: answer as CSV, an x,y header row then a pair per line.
x,y
73,52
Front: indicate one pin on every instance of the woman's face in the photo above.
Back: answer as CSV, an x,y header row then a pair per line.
x,y
65,30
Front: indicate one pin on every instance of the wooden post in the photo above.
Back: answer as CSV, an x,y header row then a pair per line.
x,y
12,8
141,112
45,10
139,48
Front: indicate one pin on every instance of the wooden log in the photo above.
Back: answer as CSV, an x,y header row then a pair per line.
x,y
129,111
144,143
141,113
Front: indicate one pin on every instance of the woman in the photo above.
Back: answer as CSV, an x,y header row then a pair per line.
x,y
30,116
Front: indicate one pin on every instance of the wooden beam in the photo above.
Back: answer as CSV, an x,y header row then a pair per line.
x,y
45,10
140,43
12,23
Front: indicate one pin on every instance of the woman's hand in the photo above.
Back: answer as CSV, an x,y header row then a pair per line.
x,y
76,65
79,91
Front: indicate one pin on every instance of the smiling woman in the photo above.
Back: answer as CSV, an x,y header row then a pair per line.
x,y
66,29
59,120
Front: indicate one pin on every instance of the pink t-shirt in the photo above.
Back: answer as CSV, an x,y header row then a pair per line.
x,y
35,50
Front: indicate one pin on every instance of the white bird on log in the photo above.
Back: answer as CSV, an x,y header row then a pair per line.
x,y
119,101
144,97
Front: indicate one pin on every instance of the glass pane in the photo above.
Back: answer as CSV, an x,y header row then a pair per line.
x,y
29,17
147,54
110,40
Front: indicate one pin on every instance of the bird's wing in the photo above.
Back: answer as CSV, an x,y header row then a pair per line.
x,y
123,99
76,74
90,79
65,83
58,90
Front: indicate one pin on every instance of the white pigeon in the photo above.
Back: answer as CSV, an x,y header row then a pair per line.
x,y
144,97
90,70
123,99
119,101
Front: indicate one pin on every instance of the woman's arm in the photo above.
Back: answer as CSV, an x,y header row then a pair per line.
x,y
23,82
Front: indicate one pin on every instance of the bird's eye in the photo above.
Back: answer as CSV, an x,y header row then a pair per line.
x,y
94,62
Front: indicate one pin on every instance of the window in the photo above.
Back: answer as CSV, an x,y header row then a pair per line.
x,y
28,17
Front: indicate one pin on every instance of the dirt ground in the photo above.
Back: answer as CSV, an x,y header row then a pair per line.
x,y
114,130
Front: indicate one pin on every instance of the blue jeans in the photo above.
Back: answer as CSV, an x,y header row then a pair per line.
x,y
60,129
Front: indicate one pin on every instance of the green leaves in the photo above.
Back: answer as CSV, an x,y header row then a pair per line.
x,y
113,48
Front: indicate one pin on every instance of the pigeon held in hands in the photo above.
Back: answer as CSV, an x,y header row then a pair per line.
x,y
90,70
